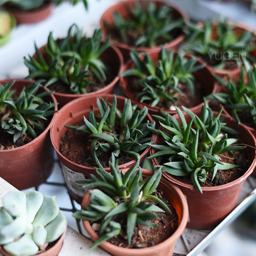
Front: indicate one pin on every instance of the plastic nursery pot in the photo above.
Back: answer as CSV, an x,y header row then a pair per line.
x,y
5,39
113,58
121,8
209,84
208,209
32,16
31,164
178,201
70,114
53,251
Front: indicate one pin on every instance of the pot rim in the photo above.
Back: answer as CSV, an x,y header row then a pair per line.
x,y
219,187
67,107
148,49
171,239
49,125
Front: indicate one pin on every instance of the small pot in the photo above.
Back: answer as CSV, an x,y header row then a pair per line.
x,y
70,114
114,56
121,8
204,75
208,209
5,39
31,164
53,251
178,201
32,16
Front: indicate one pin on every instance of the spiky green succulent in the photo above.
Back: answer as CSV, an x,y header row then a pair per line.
x,y
192,148
117,131
28,222
122,194
152,24
160,81
27,5
24,112
220,44
71,60
240,95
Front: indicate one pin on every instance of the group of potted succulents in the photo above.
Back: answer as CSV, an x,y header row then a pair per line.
x,y
102,139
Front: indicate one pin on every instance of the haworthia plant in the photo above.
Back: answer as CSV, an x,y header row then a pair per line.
x,y
28,222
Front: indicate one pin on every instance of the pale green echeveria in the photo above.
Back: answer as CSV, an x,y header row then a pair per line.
x,y
29,221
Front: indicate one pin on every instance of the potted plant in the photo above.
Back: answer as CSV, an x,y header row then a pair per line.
x,y
129,209
26,113
210,168
76,66
162,80
7,24
221,44
143,25
31,11
31,224
87,131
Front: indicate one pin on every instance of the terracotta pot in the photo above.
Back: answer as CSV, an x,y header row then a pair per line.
x,y
53,251
33,16
204,76
114,56
70,114
121,8
31,164
5,39
208,209
178,201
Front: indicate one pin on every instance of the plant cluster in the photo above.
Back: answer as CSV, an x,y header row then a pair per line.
x,y
117,132
150,23
122,194
72,60
160,82
240,96
218,42
29,222
27,5
23,113
193,148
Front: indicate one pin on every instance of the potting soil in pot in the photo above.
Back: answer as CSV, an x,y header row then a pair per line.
x,y
145,236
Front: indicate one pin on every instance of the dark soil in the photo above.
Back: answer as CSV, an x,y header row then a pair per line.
x,y
245,117
145,236
185,99
62,87
75,145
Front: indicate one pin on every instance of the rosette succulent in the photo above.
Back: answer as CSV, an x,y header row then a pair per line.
x,y
29,222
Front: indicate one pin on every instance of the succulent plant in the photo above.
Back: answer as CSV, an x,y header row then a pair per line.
x,y
118,132
160,82
192,148
25,112
121,194
72,60
218,45
29,222
152,24
240,95
27,5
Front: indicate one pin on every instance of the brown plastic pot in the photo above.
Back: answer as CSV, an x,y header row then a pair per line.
x,y
115,58
210,208
33,16
53,251
121,8
70,114
31,164
204,75
178,201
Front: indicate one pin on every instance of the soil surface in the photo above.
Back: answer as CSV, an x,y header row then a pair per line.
x,y
185,99
145,236
75,145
